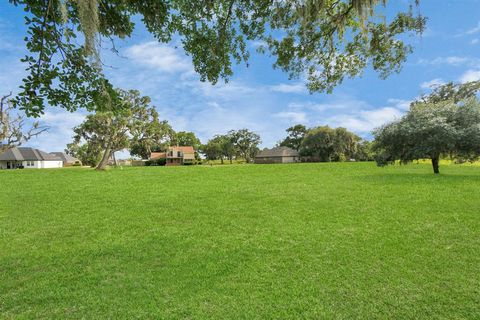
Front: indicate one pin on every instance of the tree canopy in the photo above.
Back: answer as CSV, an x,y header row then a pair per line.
x,y
436,125
221,147
246,143
114,131
329,144
185,138
295,137
324,40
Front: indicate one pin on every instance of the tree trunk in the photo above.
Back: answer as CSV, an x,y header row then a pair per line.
x,y
435,161
231,160
106,156
114,159
221,159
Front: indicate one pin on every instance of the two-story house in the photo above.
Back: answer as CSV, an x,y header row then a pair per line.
x,y
176,156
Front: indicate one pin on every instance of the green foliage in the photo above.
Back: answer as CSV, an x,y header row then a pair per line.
x,y
89,154
431,130
220,147
364,151
326,144
245,143
149,133
328,40
113,131
212,150
184,138
295,137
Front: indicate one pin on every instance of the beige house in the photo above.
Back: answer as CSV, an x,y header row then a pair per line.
x,y
277,155
176,156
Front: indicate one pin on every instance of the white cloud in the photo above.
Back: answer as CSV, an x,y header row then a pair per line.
x,y
60,125
451,60
432,83
161,57
289,88
400,104
258,43
291,116
366,121
470,75
475,41
474,30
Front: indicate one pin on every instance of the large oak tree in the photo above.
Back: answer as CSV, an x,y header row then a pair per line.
x,y
323,40
444,123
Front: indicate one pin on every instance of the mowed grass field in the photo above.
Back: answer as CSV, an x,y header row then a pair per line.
x,y
301,241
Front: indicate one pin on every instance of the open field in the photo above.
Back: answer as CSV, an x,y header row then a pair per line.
x,y
339,240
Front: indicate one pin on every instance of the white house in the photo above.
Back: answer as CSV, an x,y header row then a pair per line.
x,y
28,158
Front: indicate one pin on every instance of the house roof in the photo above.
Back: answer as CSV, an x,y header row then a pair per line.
x,y
29,154
158,155
65,157
277,152
184,149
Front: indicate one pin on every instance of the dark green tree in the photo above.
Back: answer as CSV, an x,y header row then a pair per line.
x,y
212,150
295,137
318,144
184,138
327,144
246,143
432,129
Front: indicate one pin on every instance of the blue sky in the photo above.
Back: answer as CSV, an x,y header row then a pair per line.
x,y
258,97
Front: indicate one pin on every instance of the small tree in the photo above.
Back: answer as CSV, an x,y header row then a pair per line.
x,y
12,126
430,130
246,143
227,143
345,144
295,137
318,143
213,150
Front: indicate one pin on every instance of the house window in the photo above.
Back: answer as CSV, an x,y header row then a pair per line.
x,y
179,154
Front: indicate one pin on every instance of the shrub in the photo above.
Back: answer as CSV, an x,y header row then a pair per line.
x,y
161,162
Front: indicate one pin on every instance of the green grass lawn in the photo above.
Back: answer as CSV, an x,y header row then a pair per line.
x,y
344,240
